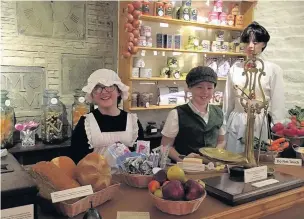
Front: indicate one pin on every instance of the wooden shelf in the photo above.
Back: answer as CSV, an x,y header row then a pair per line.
x,y
187,23
166,79
189,51
153,107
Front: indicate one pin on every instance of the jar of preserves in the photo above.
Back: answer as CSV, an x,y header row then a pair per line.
x,y
6,120
52,118
151,128
80,107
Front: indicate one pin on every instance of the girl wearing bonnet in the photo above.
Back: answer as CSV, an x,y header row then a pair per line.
x,y
107,124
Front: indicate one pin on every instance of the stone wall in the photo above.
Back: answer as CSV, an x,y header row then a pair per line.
x,y
67,40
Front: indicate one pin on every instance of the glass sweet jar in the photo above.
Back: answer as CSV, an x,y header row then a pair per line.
x,y
52,118
7,120
80,107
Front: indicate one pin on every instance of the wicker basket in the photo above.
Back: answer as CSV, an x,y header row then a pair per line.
x,y
75,206
84,204
136,180
177,207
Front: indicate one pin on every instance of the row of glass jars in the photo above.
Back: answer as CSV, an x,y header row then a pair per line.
x,y
53,115
52,119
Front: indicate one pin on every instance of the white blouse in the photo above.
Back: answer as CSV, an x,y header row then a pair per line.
x,y
236,118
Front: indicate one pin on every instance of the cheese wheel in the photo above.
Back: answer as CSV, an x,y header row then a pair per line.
x,y
193,160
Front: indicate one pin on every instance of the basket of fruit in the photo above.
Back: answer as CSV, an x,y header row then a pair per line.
x,y
172,193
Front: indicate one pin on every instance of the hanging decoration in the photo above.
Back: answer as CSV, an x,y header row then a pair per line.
x,y
132,28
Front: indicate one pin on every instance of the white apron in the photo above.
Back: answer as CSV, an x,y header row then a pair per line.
x,y
235,116
99,141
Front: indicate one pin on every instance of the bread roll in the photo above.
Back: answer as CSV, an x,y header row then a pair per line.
x,y
54,175
66,164
94,170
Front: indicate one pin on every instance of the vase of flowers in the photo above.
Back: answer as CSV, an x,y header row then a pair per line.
x,y
27,133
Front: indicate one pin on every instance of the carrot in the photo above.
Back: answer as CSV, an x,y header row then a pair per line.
x,y
274,147
278,141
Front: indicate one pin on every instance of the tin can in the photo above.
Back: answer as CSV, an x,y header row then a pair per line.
x,y
135,72
223,18
159,40
230,20
216,46
231,47
242,47
239,21
206,45
168,41
218,6
193,14
149,42
142,41
145,72
219,36
213,18
177,41
225,47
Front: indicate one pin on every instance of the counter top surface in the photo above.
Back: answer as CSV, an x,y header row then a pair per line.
x,y
132,199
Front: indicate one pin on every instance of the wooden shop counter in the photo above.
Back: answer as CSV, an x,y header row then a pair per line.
x,y
289,204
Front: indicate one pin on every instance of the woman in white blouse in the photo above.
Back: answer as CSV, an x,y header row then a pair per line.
x,y
255,38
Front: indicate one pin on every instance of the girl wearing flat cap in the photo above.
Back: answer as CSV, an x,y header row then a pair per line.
x,y
107,124
255,38
196,124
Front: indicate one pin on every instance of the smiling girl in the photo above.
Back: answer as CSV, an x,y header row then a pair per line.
x,y
107,124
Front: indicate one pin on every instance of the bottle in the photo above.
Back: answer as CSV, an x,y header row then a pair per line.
x,y
6,120
159,9
168,10
52,118
146,7
80,107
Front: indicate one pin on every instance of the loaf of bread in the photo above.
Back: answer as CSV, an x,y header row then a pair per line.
x,y
66,164
94,170
54,175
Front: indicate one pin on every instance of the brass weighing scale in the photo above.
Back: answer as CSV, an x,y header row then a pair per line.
x,y
230,188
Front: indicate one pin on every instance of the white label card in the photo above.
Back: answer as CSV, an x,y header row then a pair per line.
x,y
191,166
288,161
71,193
132,215
153,130
255,174
265,183
22,212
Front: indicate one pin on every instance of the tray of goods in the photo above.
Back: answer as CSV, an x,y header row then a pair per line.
x,y
62,173
136,168
171,192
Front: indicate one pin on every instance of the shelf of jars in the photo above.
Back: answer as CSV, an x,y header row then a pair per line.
x,y
161,41
220,53
188,23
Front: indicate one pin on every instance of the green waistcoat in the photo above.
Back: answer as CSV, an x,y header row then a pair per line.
x,y
194,133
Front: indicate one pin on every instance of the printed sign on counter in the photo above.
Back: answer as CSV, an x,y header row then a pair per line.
x,y
255,174
22,212
71,193
132,215
265,183
288,161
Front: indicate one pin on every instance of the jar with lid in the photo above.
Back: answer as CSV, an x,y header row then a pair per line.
x,y
6,120
52,118
80,107
151,128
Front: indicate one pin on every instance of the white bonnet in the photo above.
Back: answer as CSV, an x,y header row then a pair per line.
x,y
105,77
